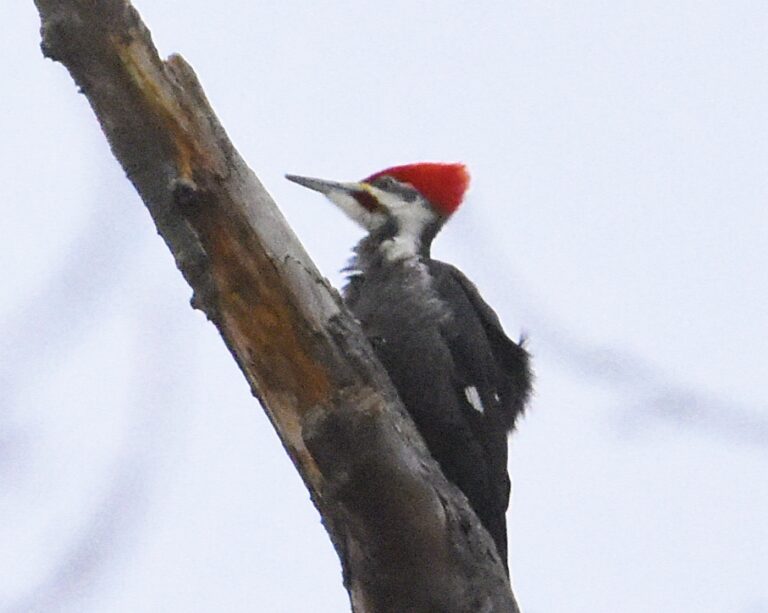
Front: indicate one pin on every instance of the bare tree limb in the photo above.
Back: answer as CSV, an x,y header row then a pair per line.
x,y
406,537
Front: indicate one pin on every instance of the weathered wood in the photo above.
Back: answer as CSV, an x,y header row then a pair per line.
x,y
406,537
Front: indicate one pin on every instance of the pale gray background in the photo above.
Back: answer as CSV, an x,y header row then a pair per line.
x,y
619,153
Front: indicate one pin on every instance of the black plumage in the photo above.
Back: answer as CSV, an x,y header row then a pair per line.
x,y
437,338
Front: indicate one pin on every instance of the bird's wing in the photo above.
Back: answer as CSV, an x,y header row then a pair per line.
x,y
510,373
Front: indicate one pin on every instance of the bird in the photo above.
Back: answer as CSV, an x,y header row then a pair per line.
x,y
463,381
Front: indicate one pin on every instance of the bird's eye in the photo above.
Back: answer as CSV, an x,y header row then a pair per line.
x,y
408,193
392,185
386,182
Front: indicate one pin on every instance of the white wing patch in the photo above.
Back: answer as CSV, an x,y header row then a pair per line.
x,y
473,398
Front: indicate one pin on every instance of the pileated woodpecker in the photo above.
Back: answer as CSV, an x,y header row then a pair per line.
x,y
462,380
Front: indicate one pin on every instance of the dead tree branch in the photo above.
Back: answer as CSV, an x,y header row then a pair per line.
x,y
406,537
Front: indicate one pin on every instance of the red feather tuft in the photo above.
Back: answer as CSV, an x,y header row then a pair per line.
x,y
442,184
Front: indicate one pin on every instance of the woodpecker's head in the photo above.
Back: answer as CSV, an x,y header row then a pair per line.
x,y
404,206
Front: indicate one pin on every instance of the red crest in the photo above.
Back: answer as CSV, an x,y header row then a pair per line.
x,y
442,184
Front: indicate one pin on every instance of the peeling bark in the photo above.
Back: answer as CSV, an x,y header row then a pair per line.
x,y
407,539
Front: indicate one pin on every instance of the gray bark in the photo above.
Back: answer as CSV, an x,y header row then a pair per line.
x,y
406,537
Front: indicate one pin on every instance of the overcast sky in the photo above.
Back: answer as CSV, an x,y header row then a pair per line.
x,y
617,215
